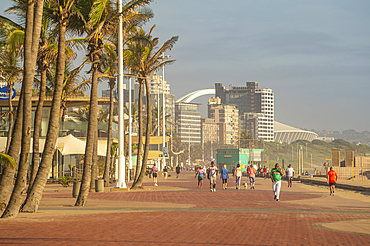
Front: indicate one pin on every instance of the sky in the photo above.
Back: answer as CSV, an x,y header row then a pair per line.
x,y
314,55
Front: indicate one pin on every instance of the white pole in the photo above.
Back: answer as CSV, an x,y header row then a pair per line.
x,y
158,160
158,107
163,115
130,127
189,145
121,131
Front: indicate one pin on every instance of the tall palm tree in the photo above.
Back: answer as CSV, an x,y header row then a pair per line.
x,y
47,57
143,56
31,44
101,22
155,116
61,12
10,41
11,35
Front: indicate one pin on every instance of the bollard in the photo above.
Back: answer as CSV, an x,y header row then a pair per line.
x,y
76,188
99,185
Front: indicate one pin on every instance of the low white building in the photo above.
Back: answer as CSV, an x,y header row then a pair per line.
x,y
288,134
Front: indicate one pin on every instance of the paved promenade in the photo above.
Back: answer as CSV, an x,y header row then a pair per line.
x,y
178,213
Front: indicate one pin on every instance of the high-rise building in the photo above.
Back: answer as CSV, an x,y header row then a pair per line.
x,y
255,105
227,116
210,131
188,123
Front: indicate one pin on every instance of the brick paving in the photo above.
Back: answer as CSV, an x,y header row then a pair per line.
x,y
259,221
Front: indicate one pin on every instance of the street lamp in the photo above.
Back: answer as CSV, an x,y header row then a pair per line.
x,y
130,129
163,57
121,182
189,145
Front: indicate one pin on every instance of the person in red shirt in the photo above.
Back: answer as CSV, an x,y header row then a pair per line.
x,y
332,180
264,172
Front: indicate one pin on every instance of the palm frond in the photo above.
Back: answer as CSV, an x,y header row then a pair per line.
x,y
8,159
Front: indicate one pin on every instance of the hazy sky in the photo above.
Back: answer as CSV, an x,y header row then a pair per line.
x,y
314,55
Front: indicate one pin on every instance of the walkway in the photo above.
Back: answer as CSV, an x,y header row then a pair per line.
x,y
177,213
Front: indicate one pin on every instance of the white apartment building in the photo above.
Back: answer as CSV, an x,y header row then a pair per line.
x,y
265,120
188,122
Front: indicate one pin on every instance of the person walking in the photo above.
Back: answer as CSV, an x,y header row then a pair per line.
x,y
289,175
154,173
332,180
200,174
224,176
165,172
276,174
212,172
264,172
252,176
178,170
238,176
233,171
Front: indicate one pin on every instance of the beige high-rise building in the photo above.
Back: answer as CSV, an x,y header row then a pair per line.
x,y
210,131
227,117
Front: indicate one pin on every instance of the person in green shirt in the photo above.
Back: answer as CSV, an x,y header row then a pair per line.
x,y
276,175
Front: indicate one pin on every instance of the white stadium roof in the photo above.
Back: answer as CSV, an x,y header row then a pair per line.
x,y
288,134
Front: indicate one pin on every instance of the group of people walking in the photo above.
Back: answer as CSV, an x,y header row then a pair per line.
x,y
276,175
212,172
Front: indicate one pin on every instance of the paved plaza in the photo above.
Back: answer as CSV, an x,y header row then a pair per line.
x,y
178,213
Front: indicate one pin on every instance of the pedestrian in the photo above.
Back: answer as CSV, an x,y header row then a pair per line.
x,y
178,170
154,172
332,180
224,177
264,172
276,174
233,171
289,175
212,176
165,172
238,176
200,174
252,176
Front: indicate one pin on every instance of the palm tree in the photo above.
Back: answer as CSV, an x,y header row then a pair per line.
x,y
159,127
12,36
31,44
101,23
10,43
60,12
143,56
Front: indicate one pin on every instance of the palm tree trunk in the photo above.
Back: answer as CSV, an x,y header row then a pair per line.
x,y
139,181
36,132
7,179
91,130
11,118
94,162
140,134
34,196
109,139
31,44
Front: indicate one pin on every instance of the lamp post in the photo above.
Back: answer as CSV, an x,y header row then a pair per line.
x,y
163,110
130,129
121,182
189,145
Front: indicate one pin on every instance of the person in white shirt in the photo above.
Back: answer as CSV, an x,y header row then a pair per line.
x,y
212,176
289,174
238,176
